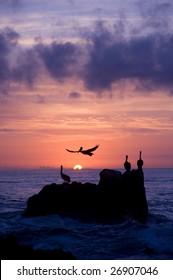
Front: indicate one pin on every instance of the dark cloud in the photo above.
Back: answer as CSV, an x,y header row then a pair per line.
x,y
154,8
27,68
25,65
147,59
108,57
60,59
74,95
8,39
155,15
19,68
164,7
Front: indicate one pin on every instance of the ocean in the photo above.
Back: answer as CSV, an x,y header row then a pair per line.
x,y
88,241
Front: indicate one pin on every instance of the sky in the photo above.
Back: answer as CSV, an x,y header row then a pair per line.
x,y
83,73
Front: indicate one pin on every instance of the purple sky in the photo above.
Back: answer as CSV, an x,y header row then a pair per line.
x,y
95,71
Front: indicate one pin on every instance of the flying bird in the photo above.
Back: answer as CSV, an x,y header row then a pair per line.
x,y
65,177
88,152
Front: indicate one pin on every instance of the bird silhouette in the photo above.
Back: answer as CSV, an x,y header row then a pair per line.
x,y
140,161
88,152
127,164
65,177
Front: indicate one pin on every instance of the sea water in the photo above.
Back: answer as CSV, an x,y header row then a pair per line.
x,y
87,241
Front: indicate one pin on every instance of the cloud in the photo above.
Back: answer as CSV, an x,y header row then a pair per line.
x,y
155,15
6,130
27,67
106,57
40,99
146,59
74,95
60,59
16,65
8,39
13,2
154,8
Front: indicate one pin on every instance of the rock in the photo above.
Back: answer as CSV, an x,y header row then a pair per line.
x,y
149,251
110,178
137,202
12,250
109,201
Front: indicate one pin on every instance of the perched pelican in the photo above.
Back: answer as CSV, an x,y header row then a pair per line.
x,y
127,164
65,177
85,152
140,161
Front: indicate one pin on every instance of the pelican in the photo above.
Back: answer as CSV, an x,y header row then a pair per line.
x,y
65,177
140,161
85,152
127,164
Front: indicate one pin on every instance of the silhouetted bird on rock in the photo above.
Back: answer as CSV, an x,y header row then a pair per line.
x,y
65,177
127,164
85,152
140,161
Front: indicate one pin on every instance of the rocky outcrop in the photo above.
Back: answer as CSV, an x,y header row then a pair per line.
x,y
11,249
115,197
110,178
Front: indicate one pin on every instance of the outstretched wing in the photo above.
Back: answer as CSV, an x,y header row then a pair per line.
x,y
92,149
72,151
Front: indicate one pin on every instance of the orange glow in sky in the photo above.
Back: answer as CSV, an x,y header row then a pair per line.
x,y
95,83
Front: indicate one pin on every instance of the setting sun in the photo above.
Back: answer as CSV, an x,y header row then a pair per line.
x,y
77,167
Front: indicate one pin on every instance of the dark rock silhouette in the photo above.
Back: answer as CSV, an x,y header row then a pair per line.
x,y
12,250
109,201
149,251
110,179
138,190
127,183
